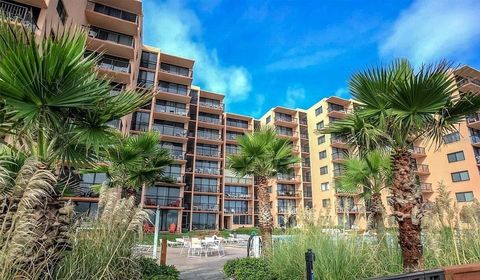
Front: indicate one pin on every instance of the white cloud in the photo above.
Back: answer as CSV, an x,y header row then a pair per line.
x,y
303,60
177,30
433,29
293,95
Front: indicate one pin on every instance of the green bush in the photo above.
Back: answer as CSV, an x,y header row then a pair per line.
x,y
249,269
153,271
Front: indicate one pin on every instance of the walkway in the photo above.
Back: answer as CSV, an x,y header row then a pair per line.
x,y
202,268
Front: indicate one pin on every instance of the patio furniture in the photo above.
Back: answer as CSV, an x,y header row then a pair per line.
x,y
172,243
216,245
195,248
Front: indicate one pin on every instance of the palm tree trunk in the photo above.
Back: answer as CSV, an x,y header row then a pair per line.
x,y
407,201
265,215
378,213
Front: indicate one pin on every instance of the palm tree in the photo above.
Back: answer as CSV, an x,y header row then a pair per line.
x,y
402,105
369,175
134,162
264,156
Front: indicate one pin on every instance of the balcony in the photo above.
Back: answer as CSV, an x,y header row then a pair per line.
x,y
170,131
305,149
169,113
115,69
111,42
205,207
237,210
171,110
338,142
166,201
468,84
237,195
418,152
176,154
426,187
18,13
286,134
422,169
473,121
238,125
208,170
338,172
111,18
307,178
288,193
288,177
338,157
303,121
206,188
233,136
475,139
175,177
211,107
208,138
285,121
303,136
173,92
354,209
208,153
337,112
174,73
210,122
231,151
307,194
287,209
238,181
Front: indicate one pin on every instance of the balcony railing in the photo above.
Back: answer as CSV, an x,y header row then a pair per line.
x,y
303,121
237,195
176,177
475,139
305,149
115,65
288,177
287,209
338,172
172,69
111,36
208,153
231,151
307,194
426,187
170,130
473,118
340,110
109,11
205,207
290,193
284,119
209,120
209,170
206,188
218,106
338,140
237,210
307,178
286,133
356,208
176,154
238,124
303,136
418,150
209,136
174,90
232,136
423,168
236,180
463,81
338,156
18,13
171,110
170,201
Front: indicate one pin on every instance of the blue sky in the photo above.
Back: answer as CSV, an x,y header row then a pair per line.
x,y
262,54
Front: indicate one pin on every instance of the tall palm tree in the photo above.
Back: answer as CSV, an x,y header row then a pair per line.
x,y
403,105
263,155
134,162
369,175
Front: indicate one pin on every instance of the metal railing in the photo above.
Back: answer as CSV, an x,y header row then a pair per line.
x,y
170,130
211,105
475,139
208,153
289,193
287,209
307,178
418,150
209,120
338,140
422,168
233,136
237,195
206,188
111,36
176,154
171,110
355,208
303,121
115,65
18,13
286,133
186,73
285,119
288,177
208,170
426,187
171,201
473,118
237,210
209,136
173,90
236,180
175,176
338,156
205,207
120,14
307,194
238,124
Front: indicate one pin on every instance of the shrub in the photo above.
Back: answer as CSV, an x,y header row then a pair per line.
x,y
249,269
153,271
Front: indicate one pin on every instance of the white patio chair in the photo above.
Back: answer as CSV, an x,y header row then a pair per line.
x,y
185,245
195,248
172,243
217,245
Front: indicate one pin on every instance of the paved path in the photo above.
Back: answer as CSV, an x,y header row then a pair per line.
x,y
202,268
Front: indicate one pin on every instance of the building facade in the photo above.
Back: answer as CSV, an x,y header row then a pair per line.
x,y
200,134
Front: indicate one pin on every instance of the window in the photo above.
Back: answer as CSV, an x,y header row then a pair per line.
x,y
115,12
320,125
323,170
326,203
140,121
62,13
321,139
145,79
202,221
452,137
269,118
318,111
464,196
322,154
282,130
457,156
324,186
460,176
111,36
148,60
173,88
179,70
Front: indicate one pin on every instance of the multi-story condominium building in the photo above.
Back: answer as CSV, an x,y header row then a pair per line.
x,y
200,134
291,192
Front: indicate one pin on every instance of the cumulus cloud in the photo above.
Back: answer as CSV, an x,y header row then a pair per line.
x,y
177,30
293,95
433,29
